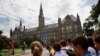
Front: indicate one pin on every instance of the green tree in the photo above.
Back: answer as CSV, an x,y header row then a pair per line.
x,y
2,42
92,20
52,41
23,46
97,32
0,32
36,37
2,45
86,28
28,40
95,12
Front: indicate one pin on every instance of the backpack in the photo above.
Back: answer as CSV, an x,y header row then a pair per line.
x,y
69,52
96,51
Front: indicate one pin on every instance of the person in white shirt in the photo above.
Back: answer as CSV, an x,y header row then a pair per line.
x,y
50,50
91,47
57,49
65,48
97,44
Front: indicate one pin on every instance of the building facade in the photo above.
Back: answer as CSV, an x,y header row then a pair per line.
x,y
67,28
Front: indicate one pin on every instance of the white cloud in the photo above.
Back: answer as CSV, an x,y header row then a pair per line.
x,y
28,10
53,9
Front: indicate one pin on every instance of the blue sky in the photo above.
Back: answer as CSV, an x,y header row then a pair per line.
x,y
4,20
11,11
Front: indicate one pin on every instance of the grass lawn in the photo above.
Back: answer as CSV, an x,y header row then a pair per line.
x,y
5,51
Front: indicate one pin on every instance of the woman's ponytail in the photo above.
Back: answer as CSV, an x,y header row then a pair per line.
x,y
36,52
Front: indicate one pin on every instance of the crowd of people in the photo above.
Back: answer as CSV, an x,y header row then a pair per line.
x,y
79,46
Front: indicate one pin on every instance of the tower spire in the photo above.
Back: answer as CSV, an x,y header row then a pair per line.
x,y
10,32
20,23
41,10
41,18
78,17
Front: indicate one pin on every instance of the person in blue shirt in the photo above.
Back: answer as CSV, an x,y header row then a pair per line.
x,y
80,46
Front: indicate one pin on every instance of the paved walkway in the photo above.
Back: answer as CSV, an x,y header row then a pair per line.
x,y
25,53
28,53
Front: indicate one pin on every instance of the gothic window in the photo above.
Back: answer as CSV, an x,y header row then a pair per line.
x,y
76,28
62,35
15,36
45,34
54,33
70,28
76,35
67,28
48,38
49,33
62,29
68,36
53,37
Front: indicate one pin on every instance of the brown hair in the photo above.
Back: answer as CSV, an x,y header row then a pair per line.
x,y
56,46
97,39
36,48
82,41
63,43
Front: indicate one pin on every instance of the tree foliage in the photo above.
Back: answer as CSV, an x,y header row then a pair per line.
x,y
2,41
2,44
29,39
97,32
95,12
0,32
87,30
92,20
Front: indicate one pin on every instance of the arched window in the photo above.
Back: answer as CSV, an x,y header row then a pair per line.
x,y
70,28
76,28
67,28
62,29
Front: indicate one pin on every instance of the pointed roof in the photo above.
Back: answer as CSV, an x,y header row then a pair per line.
x,y
78,17
41,10
59,19
10,32
21,22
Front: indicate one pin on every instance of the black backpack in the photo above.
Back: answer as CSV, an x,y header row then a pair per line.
x,y
69,52
96,51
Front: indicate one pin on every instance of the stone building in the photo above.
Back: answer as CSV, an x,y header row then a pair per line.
x,y
67,28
